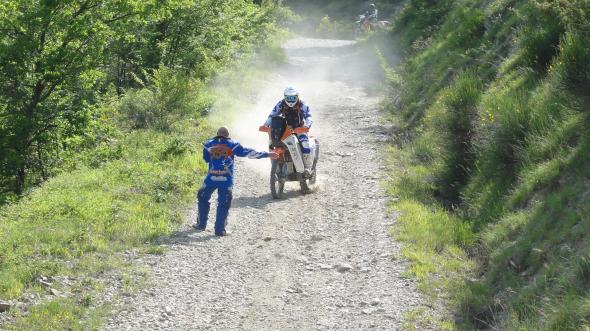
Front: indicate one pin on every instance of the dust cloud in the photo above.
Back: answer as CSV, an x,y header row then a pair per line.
x,y
320,69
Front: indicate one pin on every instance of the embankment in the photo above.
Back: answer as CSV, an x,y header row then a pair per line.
x,y
491,158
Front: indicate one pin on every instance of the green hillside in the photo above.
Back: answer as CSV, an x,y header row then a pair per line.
x,y
492,158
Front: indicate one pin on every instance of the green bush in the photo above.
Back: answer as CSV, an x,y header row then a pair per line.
x,y
468,27
453,119
166,98
573,65
498,140
177,147
420,19
333,29
540,36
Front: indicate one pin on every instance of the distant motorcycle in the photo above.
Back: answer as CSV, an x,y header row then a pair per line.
x,y
365,26
289,165
362,26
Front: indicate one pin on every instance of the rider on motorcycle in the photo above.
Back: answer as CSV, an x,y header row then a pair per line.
x,y
371,16
297,114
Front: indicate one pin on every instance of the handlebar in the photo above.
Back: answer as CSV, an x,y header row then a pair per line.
x,y
299,130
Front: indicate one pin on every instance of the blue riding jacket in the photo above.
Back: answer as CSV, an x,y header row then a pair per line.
x,y
301,109
219,153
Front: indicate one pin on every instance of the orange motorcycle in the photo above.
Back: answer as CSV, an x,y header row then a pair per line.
x,y
289,167
362,26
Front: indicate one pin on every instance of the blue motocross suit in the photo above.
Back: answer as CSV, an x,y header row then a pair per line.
x,y
296,117
219,153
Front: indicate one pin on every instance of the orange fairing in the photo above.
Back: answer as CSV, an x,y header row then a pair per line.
x,y
301,130
289,131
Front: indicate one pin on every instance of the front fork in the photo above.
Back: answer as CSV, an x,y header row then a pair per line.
x,y
283,171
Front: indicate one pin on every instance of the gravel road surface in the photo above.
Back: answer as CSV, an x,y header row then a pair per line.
x,y
322,261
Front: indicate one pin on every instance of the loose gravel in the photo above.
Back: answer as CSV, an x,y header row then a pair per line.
x,y
321,261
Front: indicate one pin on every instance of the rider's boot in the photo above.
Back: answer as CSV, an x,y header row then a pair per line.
x,y
308,164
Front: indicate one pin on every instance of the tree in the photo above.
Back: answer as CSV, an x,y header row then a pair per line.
x,y
57,58
50,63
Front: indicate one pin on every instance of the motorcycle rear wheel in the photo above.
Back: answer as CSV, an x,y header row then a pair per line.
x,y
277,186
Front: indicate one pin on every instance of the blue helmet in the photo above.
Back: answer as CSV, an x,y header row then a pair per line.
x,y
291,96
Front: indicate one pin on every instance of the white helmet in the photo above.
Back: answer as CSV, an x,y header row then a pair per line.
x,y
291,96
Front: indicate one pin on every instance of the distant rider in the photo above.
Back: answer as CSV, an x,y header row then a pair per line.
x,y
219,153
297,114
371,16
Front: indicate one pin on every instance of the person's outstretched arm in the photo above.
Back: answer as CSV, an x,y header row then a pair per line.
x,y
242,151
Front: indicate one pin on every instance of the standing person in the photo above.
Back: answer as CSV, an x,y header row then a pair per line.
x,y
219,153
297,114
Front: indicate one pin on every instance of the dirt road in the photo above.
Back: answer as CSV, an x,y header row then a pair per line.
x,y
318,261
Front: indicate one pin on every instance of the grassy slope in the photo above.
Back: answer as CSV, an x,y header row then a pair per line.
x,y
492,158
77,223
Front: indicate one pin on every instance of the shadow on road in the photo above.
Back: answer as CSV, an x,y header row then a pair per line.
x,y
259,202
186,237
190,236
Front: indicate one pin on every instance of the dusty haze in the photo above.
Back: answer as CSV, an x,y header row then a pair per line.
x,y
321,85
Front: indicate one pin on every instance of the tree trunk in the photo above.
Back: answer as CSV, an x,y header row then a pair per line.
x,y
20,179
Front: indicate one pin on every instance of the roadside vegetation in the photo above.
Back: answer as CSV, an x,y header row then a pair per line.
x,y
103,107
104,103
491,160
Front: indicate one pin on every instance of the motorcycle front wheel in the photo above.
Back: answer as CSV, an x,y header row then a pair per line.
x,y
304,187
357,32
277,186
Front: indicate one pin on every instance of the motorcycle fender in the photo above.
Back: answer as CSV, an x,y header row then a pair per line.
x,y
293,146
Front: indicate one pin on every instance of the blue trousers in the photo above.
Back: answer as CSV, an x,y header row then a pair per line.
x,y
224,197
